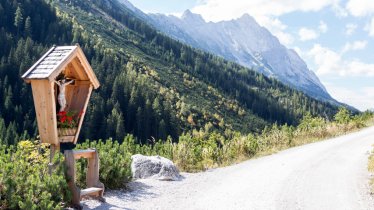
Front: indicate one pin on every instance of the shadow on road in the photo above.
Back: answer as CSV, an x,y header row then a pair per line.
x,y
135,191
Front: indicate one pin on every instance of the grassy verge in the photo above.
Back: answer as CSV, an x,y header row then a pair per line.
x,y
371,169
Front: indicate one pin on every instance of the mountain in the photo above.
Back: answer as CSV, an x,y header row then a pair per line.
x,y
152,86
244,41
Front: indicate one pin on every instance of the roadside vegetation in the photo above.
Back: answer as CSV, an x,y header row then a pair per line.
x,y
371,165
371,170
25,183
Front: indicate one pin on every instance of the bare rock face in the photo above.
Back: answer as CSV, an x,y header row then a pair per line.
x,y
155,167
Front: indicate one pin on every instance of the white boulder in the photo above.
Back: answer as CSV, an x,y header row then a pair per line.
x,y
155,167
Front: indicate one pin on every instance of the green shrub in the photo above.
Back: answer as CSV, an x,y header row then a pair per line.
x,y
24,179
343,116
115,161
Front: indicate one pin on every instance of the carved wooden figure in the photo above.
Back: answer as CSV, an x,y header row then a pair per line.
x,y
61,95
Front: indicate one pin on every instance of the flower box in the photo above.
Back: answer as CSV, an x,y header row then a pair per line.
x,y
66,131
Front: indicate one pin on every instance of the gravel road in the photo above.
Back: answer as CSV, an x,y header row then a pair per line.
x,y
329,175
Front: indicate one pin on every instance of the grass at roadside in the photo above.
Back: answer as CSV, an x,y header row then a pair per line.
x,y
371,170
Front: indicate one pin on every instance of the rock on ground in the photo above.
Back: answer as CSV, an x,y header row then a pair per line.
x,y
155,167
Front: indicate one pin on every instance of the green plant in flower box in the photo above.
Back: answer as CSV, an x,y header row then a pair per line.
x,y
69,119
67,122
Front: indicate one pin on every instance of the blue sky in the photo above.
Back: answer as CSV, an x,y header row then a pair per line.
x,y
334,37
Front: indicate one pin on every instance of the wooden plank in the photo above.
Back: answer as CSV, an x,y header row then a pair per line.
x,y
69,96
87,67
37,77
40,71
57,54
80,94
91,191
45,108
82,82
55,59
87,153
84,108
70,164
92,175
62,139
79,69
70,72
83,151
45,62
64,47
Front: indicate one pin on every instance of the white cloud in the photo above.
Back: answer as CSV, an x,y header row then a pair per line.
x,y
322,27
306,34
362,98
285,38
339,11
360,7
350,28
216,10
299,51
357,67
329,62
356,45
370,27
276,27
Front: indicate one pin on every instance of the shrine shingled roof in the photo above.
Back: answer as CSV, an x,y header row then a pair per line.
x,y
50,65
49,62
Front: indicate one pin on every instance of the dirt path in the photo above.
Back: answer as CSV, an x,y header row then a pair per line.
x,y
327,175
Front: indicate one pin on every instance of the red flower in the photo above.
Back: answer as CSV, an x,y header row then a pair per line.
x,y
63,119
62,113
68,119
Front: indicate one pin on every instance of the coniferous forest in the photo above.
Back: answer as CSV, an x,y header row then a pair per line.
x,y
151,85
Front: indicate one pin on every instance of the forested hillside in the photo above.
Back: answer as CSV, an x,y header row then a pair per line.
x,y
152,85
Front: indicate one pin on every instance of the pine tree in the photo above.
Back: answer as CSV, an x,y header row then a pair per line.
x,y
162,130
120,127
28,28
139,124
343,116
18,19
2,131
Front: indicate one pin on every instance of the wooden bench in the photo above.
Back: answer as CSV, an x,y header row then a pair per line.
x,y
94,187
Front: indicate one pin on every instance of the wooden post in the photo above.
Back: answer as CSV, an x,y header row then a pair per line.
x,y
92,176
70,163
52,152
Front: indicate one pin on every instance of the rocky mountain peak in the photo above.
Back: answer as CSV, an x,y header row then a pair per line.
x,y
191,17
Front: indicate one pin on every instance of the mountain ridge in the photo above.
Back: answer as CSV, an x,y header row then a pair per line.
x,y
258,51
175,27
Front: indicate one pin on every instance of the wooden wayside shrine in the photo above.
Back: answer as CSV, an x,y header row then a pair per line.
x,y
62,81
